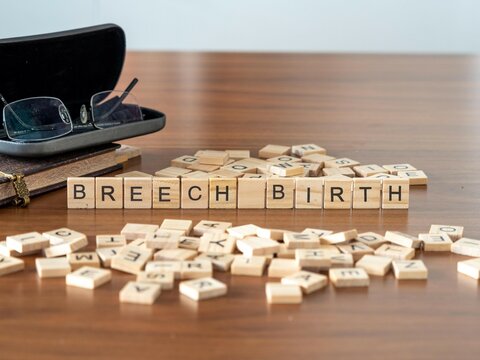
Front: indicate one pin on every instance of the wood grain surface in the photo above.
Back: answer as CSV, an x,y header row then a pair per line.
x,y
423,110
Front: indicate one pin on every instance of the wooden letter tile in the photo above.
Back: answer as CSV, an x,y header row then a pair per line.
x,y
435,242
240,167
106,254
251,266
242,231
375,265
109,192
189,242
368,170
10,265
175,254
383,176
194,269
253,245
307,149
357,249
223,193
341,260
81,192
349,277
210,225
301,240
203,288
313,169
27,243
64,241
238,154
212,157
7,252
309,193
270,151
104,241
338,193
371,239
131,259
395,252
220,262
177,224
88,277
173,172
319,232
395,168
184,161
313,258
141,244
274,234
308,281
283,267
409,269
466,246
278,293
339,237
140,293
137,193
56,267
416,177
284,159
63,235
174,267
395,193
225,174
163,278
284,253
455,232
202,168
285,169
251,193
194,193
470,268
280,193
138,231
367,193
345,171
165,193
341,162
163,239
80,259
317,159
216,242
402,239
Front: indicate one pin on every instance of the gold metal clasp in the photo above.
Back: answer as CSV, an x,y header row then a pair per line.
x,y
22,197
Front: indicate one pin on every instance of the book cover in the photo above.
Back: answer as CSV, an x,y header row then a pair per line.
x,y
46,174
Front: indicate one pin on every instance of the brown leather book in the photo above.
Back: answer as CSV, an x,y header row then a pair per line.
x,y
50,173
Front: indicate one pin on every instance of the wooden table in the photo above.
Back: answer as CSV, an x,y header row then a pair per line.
x,y
423,110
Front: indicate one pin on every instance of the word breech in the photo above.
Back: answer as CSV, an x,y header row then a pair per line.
x,y
301,176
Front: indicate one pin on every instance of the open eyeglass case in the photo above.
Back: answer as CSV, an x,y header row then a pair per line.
x,y
72,66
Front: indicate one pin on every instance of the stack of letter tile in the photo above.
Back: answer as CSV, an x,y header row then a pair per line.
x,y
282,177
296,263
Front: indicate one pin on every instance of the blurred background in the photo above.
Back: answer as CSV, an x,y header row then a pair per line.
x,y
360,26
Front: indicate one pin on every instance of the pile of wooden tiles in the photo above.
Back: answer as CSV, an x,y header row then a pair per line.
x,y
298,262
283,177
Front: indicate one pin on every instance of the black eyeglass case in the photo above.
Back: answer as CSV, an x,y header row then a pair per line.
x,y
72,66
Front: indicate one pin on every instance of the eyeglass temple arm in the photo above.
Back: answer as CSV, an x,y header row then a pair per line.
x,y
131,85
5,103
121,98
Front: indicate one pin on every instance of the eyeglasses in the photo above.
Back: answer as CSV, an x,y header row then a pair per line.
x,y
43,118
